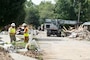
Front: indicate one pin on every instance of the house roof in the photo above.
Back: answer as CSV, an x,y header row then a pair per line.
x,y
86,23
68,22
61,21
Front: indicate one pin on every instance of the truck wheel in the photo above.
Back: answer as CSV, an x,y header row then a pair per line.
x,y
48,34
59,34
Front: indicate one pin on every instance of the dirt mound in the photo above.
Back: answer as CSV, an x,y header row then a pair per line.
x,y
32,54
4,55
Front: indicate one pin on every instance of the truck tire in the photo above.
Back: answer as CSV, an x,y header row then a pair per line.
x,y
48,34
59,34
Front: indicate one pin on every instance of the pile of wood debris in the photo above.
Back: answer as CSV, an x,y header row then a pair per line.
x,y
4,55
80,33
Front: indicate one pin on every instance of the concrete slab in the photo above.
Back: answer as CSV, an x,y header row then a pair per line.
x,y
16,56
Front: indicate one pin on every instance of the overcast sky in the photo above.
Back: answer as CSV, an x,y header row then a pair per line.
x,y
38,1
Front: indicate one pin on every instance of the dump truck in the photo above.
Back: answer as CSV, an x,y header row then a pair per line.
x,y
52,27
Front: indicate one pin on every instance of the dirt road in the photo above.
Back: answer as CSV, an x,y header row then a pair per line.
x,y
59,48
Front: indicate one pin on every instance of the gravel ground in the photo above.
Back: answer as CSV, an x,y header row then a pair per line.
x,y
65,50
4,55
32,54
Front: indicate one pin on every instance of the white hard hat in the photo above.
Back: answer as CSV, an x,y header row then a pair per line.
x,y
24,24
13,24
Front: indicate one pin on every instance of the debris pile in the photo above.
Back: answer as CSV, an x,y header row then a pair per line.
x,y
80,33
31,53
4,55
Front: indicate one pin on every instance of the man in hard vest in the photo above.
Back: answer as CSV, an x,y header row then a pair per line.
x,y
12,32
26,32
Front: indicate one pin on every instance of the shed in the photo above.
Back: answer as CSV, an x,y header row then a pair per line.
x,y
87,24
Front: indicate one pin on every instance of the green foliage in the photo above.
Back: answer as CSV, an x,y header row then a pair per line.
x,y
18,10
11,11
68,9
19,45
46,11
88,11
83,9
33,47
65,10
23,44
32,14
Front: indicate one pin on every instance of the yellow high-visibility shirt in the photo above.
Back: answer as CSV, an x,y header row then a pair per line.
x,y
12,30
26,33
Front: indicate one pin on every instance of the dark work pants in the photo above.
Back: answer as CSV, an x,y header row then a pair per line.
x,y
13,38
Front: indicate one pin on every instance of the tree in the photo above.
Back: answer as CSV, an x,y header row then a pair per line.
x,y
83,6
32,14
46,11
62,9
11,11
69,9
88,11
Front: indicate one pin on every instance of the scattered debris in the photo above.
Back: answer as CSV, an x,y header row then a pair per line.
x,y
1,42
80,33
33,54
31,49
4,33
9,48
4,55
73,34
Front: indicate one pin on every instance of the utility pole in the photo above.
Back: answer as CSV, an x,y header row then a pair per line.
x,y
79,14
79,11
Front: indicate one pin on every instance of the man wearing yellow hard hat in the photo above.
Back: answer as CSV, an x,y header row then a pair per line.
x,y
26,32
12,32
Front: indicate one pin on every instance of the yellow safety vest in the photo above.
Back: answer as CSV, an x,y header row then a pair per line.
x,y
12,30
26,32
